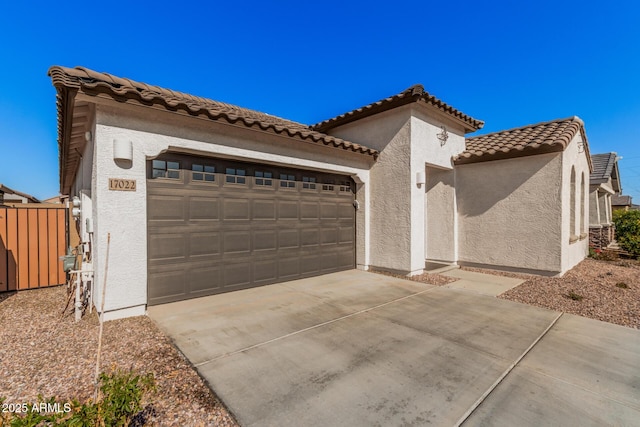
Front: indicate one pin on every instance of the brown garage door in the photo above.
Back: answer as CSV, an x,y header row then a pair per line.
x,y
216,226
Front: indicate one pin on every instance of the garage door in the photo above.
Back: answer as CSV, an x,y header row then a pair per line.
x,y
216,226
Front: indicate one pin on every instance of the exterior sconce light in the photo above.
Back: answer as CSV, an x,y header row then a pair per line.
x,y
122,150
443,136
421,179
580,147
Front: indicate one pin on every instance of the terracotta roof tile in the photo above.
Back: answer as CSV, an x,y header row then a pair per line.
x,y
125,90
415,93
538,138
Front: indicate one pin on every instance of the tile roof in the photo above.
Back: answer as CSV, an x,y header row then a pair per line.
x,y
415,93
533,139
6,190
93,83
620,200
604,167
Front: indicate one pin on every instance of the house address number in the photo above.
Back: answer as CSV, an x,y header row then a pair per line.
x,y
118,184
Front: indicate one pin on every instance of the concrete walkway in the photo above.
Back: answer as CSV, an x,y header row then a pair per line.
x,y
481,283
355,348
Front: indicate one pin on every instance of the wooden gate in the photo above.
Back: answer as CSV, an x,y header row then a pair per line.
x,y
32,240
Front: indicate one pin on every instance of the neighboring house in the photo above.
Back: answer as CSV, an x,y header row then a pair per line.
x,y
10,197
621,203
202,197
604,183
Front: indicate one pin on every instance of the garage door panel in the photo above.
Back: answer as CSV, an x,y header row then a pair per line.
x,y
309,265
265,240
204,208
237,242
329,262
346,211
288,268
309,210
204,244
265,271
328,211
167,286
345,259
309,237
206,238
264,210
236,209
236,275
288,239
287,210
329,236
162,208
346,235
167,246
205,280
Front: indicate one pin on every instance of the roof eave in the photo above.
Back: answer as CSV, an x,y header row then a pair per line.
x,y
512,154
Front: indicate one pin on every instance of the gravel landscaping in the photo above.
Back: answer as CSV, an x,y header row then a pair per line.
x,y
602,290
45,353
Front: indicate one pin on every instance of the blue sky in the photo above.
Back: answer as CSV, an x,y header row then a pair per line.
x,y
508,63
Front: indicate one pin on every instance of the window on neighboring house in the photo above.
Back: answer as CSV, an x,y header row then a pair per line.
x,y
264,178
203,173
309,182
287,181
165,169
236,176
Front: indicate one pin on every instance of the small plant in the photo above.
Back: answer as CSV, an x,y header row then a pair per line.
x,y
120,405
622,285
574,296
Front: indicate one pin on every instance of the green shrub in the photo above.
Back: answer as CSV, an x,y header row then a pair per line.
x,y
628,230
120,405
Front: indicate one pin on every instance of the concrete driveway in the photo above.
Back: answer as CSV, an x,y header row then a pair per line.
x,y
361,349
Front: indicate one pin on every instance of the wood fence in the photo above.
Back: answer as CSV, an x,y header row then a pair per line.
x,y
32,240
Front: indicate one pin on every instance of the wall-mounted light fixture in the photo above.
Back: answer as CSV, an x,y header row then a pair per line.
x,y
122,150
421,179
443,136
580,147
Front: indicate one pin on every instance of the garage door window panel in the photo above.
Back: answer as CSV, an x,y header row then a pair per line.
x,y
236,176
263,179
165,169
203,173
287,181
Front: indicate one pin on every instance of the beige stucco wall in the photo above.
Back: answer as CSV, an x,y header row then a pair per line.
x,y
441,215
510,213
124,214
407,140
390,177
574,251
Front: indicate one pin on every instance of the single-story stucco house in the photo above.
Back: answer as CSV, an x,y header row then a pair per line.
x,y
202,197
11,197
604,184
620,202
